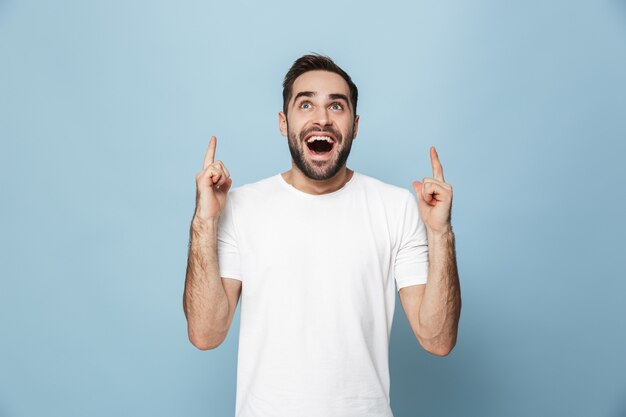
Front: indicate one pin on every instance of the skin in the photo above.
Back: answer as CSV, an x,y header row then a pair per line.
x,y
433,309
318,112
209,301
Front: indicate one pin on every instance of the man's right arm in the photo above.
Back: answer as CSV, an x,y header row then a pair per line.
x,y
209,301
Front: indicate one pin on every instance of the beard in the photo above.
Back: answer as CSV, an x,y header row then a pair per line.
x,y
319,170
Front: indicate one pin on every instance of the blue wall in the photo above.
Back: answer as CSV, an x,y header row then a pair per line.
x,y
105,112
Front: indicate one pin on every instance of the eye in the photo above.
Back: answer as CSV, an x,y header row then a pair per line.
x,y
305,105
336,106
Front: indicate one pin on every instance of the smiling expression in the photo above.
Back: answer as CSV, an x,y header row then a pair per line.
x,y
320,124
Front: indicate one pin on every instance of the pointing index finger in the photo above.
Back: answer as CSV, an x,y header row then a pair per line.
x,y
437,168
209,157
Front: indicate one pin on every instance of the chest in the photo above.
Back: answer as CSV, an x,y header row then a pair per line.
x,y
316,247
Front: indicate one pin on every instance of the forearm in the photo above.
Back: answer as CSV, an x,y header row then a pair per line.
x,y
440,308
204,300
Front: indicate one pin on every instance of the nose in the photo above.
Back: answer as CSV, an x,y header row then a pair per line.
x,y
322,117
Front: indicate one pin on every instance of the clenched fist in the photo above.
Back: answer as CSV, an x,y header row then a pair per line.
x,y
212,185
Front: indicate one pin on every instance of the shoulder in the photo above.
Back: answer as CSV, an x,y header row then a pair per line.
x,y
265,184
388,192
248,193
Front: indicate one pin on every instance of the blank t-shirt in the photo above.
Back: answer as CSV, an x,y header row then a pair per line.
x,y
319,275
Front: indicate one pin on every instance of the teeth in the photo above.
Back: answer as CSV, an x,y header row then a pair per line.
x,y
314,138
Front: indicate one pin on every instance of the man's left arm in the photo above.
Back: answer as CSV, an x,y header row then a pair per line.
x,y
433,309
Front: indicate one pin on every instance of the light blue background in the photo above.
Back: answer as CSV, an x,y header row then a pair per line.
x,y
105,112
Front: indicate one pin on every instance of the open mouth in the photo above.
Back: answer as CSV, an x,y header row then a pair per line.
x,y
320,144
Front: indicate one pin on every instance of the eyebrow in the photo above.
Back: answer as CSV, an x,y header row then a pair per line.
x,y
339,97
334,96
303,94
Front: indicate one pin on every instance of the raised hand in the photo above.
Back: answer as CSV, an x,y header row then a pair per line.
x,y
212,185
434,198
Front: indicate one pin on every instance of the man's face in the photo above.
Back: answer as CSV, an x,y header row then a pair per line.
x,y
320,124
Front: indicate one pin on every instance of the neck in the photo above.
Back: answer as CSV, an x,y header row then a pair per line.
x,y
301,182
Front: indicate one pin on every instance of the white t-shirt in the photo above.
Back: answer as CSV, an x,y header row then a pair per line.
x,y
319,275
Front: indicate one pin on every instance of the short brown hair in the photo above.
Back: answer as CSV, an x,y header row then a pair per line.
x,y
315,62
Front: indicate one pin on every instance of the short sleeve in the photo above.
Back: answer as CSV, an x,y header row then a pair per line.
x,y
227,248
411,263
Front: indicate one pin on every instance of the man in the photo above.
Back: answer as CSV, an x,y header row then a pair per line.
x,y
316,254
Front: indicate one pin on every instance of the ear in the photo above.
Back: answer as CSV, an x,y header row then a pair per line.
x,y
356,126
282,123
